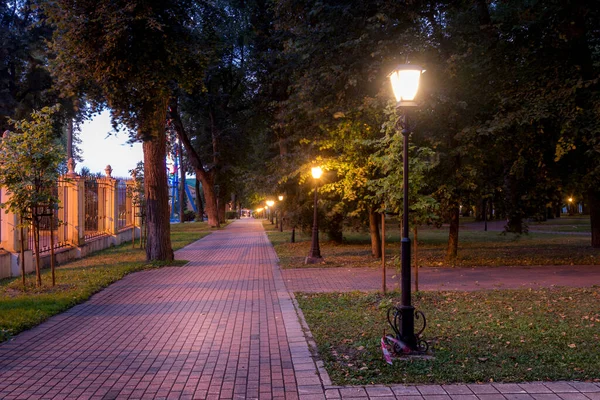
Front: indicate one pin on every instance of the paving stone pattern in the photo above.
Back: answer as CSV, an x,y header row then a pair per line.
x,y
222,327
467,279
211,329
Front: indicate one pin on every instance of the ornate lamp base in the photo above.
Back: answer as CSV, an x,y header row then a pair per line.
x,y
406,343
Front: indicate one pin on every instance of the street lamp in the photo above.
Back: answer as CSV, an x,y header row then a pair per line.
x,y
405,84
270,203
570,208
280,215
315,252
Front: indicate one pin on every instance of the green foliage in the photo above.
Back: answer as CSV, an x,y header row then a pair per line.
x,y
25,82
509,101
127,56
136,190
31,156
388,187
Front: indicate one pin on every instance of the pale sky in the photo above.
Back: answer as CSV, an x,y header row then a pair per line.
x,y
98,150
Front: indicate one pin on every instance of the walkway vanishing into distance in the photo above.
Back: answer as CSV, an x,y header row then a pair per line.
x,y
224,326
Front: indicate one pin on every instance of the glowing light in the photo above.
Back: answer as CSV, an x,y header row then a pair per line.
x,y
405,81
316,172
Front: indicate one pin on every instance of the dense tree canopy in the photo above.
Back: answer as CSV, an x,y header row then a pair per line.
x,y
261,90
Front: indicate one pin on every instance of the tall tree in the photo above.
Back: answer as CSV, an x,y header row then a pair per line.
x,y
214,123
128,55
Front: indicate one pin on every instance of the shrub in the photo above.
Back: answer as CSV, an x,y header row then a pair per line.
x,y
189,215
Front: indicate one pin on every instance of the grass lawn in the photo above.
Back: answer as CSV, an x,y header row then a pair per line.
x,y
78,280
476,248
563,224
499,336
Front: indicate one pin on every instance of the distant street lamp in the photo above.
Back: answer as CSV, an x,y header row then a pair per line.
x,y
405,84
570,207
270,203
280,214
315,252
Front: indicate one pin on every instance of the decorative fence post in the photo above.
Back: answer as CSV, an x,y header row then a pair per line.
x,y
10,241
10,234
108,203
71,195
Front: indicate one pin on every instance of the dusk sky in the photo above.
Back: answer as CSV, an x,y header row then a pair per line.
x,y
99,149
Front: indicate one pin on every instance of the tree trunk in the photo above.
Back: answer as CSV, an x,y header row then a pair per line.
x,y
594,199
210,198
221,206
133,229
36,244
22,250
485,215
383,272
156,188
199,205
452,250
374,231
181,187
52,267
334,228
206,177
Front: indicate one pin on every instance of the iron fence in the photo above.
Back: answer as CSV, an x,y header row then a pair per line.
x,y
125,219
91,203
49,221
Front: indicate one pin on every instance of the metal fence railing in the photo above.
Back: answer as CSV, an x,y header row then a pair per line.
x,y
125,218
50,221
106,208
91,204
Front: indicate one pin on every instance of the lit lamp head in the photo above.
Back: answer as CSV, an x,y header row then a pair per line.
x,y
316,172
280,197
259,210
270,203
570,199
405,83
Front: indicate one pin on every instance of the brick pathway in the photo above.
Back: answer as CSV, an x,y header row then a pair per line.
x,y
221,327
224,326
369,279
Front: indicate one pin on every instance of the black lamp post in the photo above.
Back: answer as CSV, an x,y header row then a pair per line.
x,y
405,83
315,252
280,214
270,203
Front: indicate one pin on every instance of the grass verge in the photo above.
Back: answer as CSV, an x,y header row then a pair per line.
x,y
499,336
476,248
78,280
